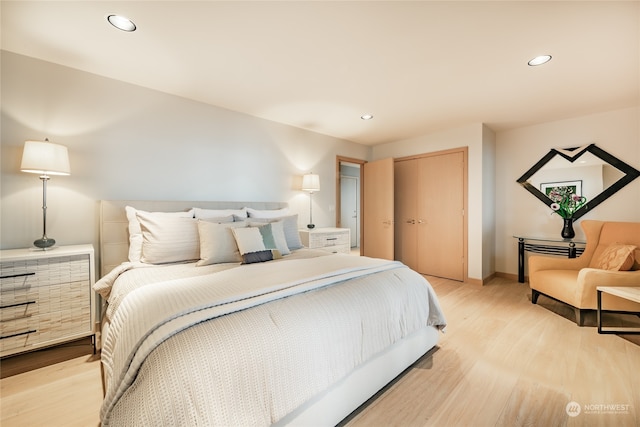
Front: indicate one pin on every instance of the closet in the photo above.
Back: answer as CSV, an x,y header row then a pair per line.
x,y
430,218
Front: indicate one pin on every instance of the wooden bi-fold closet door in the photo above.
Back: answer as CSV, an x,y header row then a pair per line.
x,y
430,216
377,207
406,208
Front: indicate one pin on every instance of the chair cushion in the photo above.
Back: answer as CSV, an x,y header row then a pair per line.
x,y
559,284
616,257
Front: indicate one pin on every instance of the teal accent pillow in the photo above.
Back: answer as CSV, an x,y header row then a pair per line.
x,y
273,235
267,236
252,247
290,229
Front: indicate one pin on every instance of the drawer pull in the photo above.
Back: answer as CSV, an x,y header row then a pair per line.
x,y
332,238
18,334
17,275
18,304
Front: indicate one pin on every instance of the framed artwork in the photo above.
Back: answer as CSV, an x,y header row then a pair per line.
x,y
565,187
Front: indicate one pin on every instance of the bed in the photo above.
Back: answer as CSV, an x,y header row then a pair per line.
x,y
215,314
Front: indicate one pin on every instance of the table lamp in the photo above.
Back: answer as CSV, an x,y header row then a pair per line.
x,y
310,183
45,158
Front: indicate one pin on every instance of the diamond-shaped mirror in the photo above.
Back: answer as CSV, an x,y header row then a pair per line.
x,y
588,170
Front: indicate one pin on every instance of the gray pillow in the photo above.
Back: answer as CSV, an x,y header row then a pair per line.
x,y
217,243
290,227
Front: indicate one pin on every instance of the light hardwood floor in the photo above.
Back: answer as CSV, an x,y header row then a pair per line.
x,y
502,362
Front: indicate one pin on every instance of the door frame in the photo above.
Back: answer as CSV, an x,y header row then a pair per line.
x,y
340,159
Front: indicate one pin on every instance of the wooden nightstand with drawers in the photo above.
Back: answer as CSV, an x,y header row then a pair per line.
x,y
46,297
336,240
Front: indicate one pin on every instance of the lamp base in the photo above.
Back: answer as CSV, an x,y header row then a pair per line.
x,y
44,243
311,226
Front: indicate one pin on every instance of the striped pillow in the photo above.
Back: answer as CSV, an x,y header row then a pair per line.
x,y
214,213
135,232
168,239
267,213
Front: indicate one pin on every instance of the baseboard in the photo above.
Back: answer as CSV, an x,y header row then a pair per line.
x,y
510,276
476,282
481,282
17,364
489,278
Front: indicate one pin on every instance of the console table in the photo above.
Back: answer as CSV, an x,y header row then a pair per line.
x,y
546,245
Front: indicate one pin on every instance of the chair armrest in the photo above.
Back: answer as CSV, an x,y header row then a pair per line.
x,y
590,278
538,262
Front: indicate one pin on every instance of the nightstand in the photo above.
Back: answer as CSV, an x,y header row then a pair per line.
x,y
335,240
46,297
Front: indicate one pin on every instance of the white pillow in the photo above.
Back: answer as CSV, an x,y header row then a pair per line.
x,y
214,213
168,239
267,213
217,243
277,232
135,232
219,220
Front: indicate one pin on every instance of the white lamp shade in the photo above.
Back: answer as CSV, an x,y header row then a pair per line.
x,y
45,158
310,182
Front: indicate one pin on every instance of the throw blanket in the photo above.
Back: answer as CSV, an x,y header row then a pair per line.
x,y
150,315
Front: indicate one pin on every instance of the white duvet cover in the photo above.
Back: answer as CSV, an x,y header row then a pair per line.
x,y
246,345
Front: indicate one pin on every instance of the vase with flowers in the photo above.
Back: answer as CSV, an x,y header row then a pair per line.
x,y
566,203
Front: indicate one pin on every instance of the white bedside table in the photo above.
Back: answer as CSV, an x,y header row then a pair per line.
x,y
335,240
46,297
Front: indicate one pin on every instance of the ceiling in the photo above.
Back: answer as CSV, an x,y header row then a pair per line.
x,y
417,67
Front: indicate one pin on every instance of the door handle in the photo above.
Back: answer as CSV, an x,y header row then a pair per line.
x,y
411,221
420,221
387,222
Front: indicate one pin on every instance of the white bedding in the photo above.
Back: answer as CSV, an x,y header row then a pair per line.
x,y
248,345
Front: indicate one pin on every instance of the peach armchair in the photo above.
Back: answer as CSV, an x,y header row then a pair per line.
x,y
574,281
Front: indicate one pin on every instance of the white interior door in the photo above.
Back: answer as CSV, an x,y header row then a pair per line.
x,y
349,215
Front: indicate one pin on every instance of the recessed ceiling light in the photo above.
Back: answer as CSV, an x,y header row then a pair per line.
x,y
121,23
366,116
539,60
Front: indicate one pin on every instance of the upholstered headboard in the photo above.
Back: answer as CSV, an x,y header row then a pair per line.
x,y
114,233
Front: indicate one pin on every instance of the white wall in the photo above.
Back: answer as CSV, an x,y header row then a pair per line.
x,y
129,142
488,201
519,212
479,141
